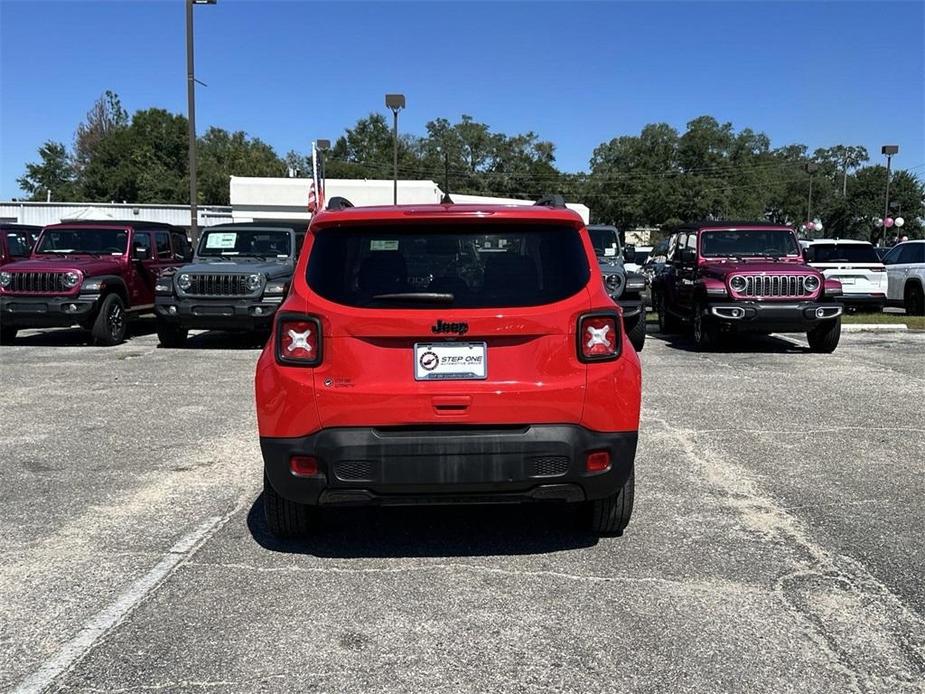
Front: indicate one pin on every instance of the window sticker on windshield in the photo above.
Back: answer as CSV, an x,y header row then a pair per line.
x,y
383,244
610,251
222,240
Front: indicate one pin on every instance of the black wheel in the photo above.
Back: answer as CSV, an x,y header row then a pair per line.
x,y
171,335
706,332
611,515
824,337
914,300
636,331
111,322
285,518
8,335
667,323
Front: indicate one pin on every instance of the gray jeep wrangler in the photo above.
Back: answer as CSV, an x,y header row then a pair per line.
x,y
236,281
625,288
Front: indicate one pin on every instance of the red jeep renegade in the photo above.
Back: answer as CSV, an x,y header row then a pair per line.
x,y
447,354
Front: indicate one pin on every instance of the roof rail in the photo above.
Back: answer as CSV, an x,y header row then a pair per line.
x,y
551,201
338,203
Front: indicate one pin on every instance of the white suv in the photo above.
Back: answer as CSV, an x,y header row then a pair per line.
x,y
856,265
905,268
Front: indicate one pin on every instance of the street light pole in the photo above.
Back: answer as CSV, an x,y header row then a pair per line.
x,y
395,102
191,116
889,151
810,169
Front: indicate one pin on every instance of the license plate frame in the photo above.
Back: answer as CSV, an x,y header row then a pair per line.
x,y
425,354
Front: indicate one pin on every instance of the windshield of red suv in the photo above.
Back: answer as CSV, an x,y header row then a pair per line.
x,y
471,266
741,243
258,243
85,240
841,253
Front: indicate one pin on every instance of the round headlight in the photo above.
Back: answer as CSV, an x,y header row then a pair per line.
x,y
737,283
810,283
71,279
253,282
184,282
614,283
5,279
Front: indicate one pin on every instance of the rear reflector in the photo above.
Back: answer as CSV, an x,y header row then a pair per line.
x,y
598,461
298,340
599,337
304,466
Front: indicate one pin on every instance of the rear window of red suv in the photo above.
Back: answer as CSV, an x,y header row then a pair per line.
x,y
464,266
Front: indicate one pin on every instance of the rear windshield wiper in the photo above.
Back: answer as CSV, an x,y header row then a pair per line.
x,y
423,297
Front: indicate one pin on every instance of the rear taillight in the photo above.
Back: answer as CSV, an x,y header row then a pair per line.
x,y
298,340
599,337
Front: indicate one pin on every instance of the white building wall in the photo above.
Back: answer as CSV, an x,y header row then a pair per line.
x,y
287,198
44,213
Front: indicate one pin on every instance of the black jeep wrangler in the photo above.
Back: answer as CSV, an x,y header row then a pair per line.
x,y
236,281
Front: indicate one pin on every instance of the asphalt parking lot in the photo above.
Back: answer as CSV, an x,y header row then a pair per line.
x,y
777,542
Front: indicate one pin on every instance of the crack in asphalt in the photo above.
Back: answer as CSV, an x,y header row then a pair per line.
x,y
868,633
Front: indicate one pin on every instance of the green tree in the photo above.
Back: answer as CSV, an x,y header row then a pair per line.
x,y
223,154
53,176
105,117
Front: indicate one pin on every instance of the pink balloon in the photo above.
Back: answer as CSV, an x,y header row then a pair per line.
x,y
888,222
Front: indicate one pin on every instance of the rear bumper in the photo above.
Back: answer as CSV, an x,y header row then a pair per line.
x,y
46,311
772,317
215,314
863,300
402,466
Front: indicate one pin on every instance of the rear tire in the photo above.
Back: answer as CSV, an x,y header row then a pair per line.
x,y
824,338
286,518
637,332
914,300
8,335
611,515
172,335
111,322
667,323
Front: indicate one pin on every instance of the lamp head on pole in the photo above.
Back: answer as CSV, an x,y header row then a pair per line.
x,y
889,150
323,145
395,102
204,2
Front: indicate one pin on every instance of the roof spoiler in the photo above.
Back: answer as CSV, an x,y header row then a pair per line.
x,y
338,203
556,201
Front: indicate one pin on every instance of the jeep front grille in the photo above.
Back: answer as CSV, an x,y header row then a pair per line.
x,y
37,283
761,286
217,285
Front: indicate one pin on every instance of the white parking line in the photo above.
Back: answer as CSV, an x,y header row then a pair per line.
x,y
112,615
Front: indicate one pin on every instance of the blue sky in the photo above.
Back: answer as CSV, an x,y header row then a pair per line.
x,y
577,73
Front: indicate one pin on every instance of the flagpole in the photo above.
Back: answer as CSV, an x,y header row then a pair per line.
x,y
315,170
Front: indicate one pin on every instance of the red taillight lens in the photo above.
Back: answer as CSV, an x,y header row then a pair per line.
x,y
304,466
298,340
599,337
598,461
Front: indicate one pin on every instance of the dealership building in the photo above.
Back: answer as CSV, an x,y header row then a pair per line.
x,y
252,200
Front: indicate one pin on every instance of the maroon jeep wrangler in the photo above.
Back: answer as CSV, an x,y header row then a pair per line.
x,y
723,278
16,241
93,274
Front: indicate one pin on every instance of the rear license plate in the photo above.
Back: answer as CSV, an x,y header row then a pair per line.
x,y
846,280
450,361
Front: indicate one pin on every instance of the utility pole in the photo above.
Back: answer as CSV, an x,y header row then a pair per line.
x,y
191,116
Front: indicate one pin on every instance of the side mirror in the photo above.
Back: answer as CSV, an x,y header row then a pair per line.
x,y
140,252
629,253
688,255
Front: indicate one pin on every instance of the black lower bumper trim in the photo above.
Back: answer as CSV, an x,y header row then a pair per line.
x,y
216,314
754,316
443,466
46,311
631,307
